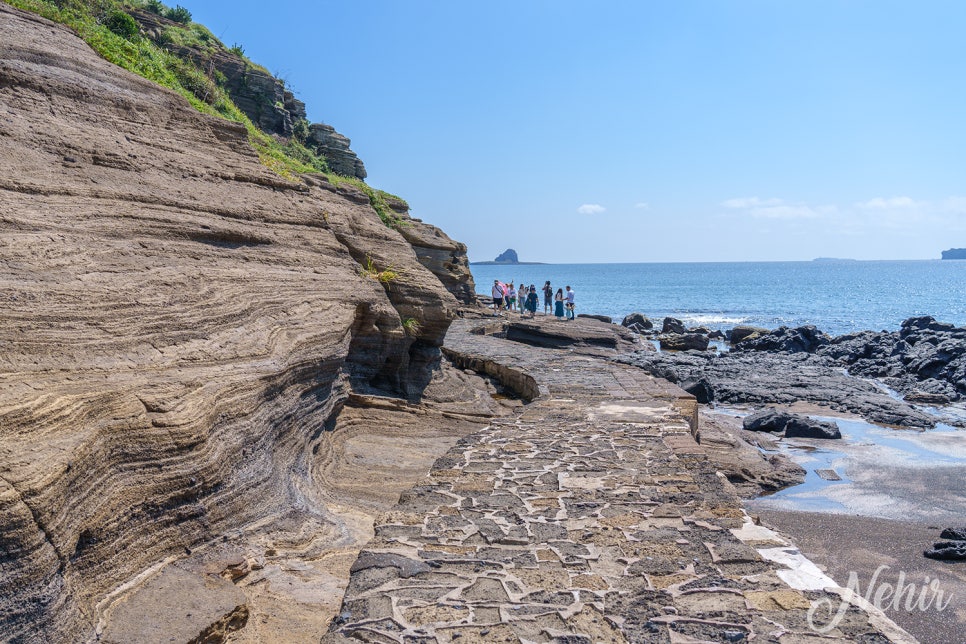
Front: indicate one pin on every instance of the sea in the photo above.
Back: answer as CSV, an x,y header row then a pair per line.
x,y
837,296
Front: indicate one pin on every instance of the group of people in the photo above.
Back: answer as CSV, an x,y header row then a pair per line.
x,y
525,300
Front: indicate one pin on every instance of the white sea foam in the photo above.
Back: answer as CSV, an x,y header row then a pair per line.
x,y
706,319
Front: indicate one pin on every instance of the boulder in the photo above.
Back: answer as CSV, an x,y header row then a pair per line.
x,y
766,420
803,339
805,427
673,325
911,326
594,316
954,534
638,321
742,332
947,550
701,389
794,425
684,342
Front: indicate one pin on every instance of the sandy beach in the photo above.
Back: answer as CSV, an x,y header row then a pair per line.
x,y
842,544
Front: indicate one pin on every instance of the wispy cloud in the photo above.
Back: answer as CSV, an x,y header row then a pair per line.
x,y
776,208
890,203
743,203
591,209
642,205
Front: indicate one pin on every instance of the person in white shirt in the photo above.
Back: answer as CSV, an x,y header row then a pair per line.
x,y
497,294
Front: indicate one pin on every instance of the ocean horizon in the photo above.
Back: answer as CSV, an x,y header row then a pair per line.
x,y
836,295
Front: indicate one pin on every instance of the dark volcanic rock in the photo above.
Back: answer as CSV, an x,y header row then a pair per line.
x,y
684,342
805,427
766,420
673,325
743,332
954,534
701,389
947,550
801,339
925,359
638,322
794,425
594,316
762,378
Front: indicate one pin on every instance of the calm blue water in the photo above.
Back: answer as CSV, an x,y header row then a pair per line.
x,y
836,296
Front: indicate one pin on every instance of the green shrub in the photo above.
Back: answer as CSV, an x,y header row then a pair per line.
x,y
155,6
122,24
237,49
178,14
300,130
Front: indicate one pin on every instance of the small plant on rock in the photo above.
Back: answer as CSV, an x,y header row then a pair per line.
x,y
383,276
411,325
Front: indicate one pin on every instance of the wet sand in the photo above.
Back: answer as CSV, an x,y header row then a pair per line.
x,y
841,544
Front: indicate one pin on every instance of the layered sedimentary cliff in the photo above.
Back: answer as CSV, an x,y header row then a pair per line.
x,y
180,327
264,98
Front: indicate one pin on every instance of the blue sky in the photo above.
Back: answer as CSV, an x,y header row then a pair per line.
x,y
633,131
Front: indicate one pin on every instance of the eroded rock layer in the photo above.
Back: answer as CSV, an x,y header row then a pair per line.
x,y
179,328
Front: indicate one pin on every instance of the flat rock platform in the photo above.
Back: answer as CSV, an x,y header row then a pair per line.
x,y
591,516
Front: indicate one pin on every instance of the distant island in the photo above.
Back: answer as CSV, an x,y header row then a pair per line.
x,y
834,259
954,253
508,257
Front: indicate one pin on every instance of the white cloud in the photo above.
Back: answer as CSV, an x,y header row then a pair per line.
x,y
881,203
742,203
591,209
642,205
789,211
776,208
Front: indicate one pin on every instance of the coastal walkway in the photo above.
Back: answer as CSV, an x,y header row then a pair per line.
x,y
591,516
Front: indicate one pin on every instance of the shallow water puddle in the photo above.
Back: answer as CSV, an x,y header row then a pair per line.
x,y
877,471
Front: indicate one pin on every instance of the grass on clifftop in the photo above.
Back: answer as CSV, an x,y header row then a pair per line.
x,y
204,91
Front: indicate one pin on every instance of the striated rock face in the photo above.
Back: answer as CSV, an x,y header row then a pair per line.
x,y
180,328
444,257
335,148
